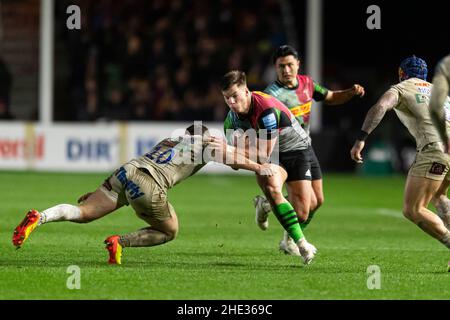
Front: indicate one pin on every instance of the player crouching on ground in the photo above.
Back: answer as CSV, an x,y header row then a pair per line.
x,y
143,183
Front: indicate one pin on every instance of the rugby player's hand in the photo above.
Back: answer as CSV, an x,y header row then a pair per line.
x,y
267,169
355,153
218,144
219,148
358,90
84,197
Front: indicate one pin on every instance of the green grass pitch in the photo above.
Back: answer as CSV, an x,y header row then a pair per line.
x,y
220,253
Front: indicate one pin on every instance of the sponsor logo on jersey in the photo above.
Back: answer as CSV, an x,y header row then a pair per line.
x,y
437,168
302,109
270,122
131,187
426,91
422,84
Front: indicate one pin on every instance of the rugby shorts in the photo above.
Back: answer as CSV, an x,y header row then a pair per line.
x,y
431,162
130,185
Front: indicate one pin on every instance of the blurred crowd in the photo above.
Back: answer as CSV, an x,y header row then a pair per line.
x,y
163,59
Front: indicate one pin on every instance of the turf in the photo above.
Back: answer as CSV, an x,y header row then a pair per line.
x,y
220,253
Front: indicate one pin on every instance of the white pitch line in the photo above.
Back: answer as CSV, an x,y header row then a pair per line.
x,y
389,212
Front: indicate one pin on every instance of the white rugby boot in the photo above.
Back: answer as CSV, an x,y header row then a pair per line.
x,y
262,208
288,246
306,250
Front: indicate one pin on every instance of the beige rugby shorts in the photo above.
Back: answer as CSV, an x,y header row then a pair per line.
x,y
134,186
431,162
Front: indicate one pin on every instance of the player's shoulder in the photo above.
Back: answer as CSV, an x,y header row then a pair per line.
x,y
260,95
411,86
273,88
303,78
230,119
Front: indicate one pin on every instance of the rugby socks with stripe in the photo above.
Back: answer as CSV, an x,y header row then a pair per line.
x,y
287,217
61,212
305,224
310,217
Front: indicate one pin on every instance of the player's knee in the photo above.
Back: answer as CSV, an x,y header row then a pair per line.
x,y
172,234
85,216
411,213
274,193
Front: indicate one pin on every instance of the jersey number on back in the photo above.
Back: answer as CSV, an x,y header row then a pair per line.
x,y
160,156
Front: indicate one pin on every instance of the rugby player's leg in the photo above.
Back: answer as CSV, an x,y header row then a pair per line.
x,y
150,203
272,188
317,199
300,193
442,203
418,194
96,205
159,232
285,213
153,207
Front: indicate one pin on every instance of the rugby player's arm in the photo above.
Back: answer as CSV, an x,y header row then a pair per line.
x,y
338,97
228,129
270,123
243,162
439,94
388,101
236,158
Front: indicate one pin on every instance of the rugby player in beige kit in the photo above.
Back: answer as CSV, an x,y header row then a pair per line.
x,y
430,171
143,183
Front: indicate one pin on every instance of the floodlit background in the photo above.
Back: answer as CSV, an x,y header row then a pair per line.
x,y
157,63
74,104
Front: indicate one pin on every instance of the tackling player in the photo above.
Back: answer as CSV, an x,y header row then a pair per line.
x,y
143,184
430,170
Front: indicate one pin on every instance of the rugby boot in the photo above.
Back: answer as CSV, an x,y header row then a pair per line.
x,y
24,229
263,209
115,249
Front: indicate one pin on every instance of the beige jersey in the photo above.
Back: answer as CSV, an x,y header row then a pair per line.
x,y
413,110
173,160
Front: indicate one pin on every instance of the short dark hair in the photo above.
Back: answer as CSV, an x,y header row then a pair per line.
x,y
231,78
284,51
196,128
